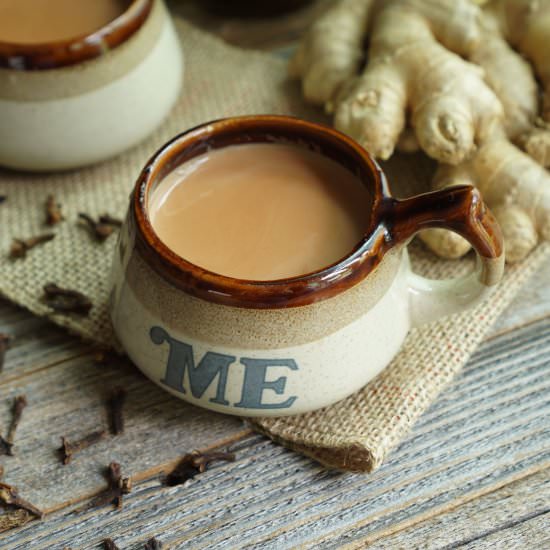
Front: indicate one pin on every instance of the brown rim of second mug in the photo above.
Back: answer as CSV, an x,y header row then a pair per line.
x,y
64,53
295,291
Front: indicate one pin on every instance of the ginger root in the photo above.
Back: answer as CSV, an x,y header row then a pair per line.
x,y
410,69
525,26
445,76
332,51
516,188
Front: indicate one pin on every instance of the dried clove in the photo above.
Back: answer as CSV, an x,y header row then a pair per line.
x,y
10,496
53,211
118,486
6,445
20,247
98,229
5,343
195,463
109,544
65,300
153,544
13,519
116,402
68,448
110,220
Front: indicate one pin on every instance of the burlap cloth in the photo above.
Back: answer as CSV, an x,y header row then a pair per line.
x,y
220,80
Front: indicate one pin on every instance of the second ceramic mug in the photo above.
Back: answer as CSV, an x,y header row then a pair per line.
x,y
78,101
260,348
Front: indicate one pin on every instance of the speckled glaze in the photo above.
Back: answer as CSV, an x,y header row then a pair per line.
x,y
261,348
73,103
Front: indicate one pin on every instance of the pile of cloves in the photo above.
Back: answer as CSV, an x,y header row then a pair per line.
x,y
59,299
20,247
100,229
20,511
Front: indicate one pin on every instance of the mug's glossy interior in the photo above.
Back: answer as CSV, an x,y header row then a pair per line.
x,y
279,293
63,53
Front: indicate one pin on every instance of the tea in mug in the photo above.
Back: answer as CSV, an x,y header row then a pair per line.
x,y
261,211
40,21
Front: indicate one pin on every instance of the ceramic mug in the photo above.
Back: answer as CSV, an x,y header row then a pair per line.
x,y
261,348
76,102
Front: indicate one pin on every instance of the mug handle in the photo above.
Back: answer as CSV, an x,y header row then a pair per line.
x,y
460,209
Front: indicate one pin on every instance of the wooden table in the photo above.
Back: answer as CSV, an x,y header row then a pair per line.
x,y
473,472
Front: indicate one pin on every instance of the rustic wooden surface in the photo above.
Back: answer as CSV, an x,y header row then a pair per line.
x,y
473,472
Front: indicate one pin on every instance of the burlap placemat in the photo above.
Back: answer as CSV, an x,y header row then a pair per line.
x,y
220,80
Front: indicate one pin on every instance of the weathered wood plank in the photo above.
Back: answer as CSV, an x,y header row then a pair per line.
x,y
532,533
506,507
272,498
531,304
37,343
220,510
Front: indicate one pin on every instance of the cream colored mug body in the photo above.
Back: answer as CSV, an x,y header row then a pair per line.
x,y
285,347
65,105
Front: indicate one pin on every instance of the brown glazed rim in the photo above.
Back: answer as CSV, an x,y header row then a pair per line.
x,y
391,221
63,53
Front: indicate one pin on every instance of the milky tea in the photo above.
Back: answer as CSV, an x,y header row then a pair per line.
x,y
261,211
42,21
